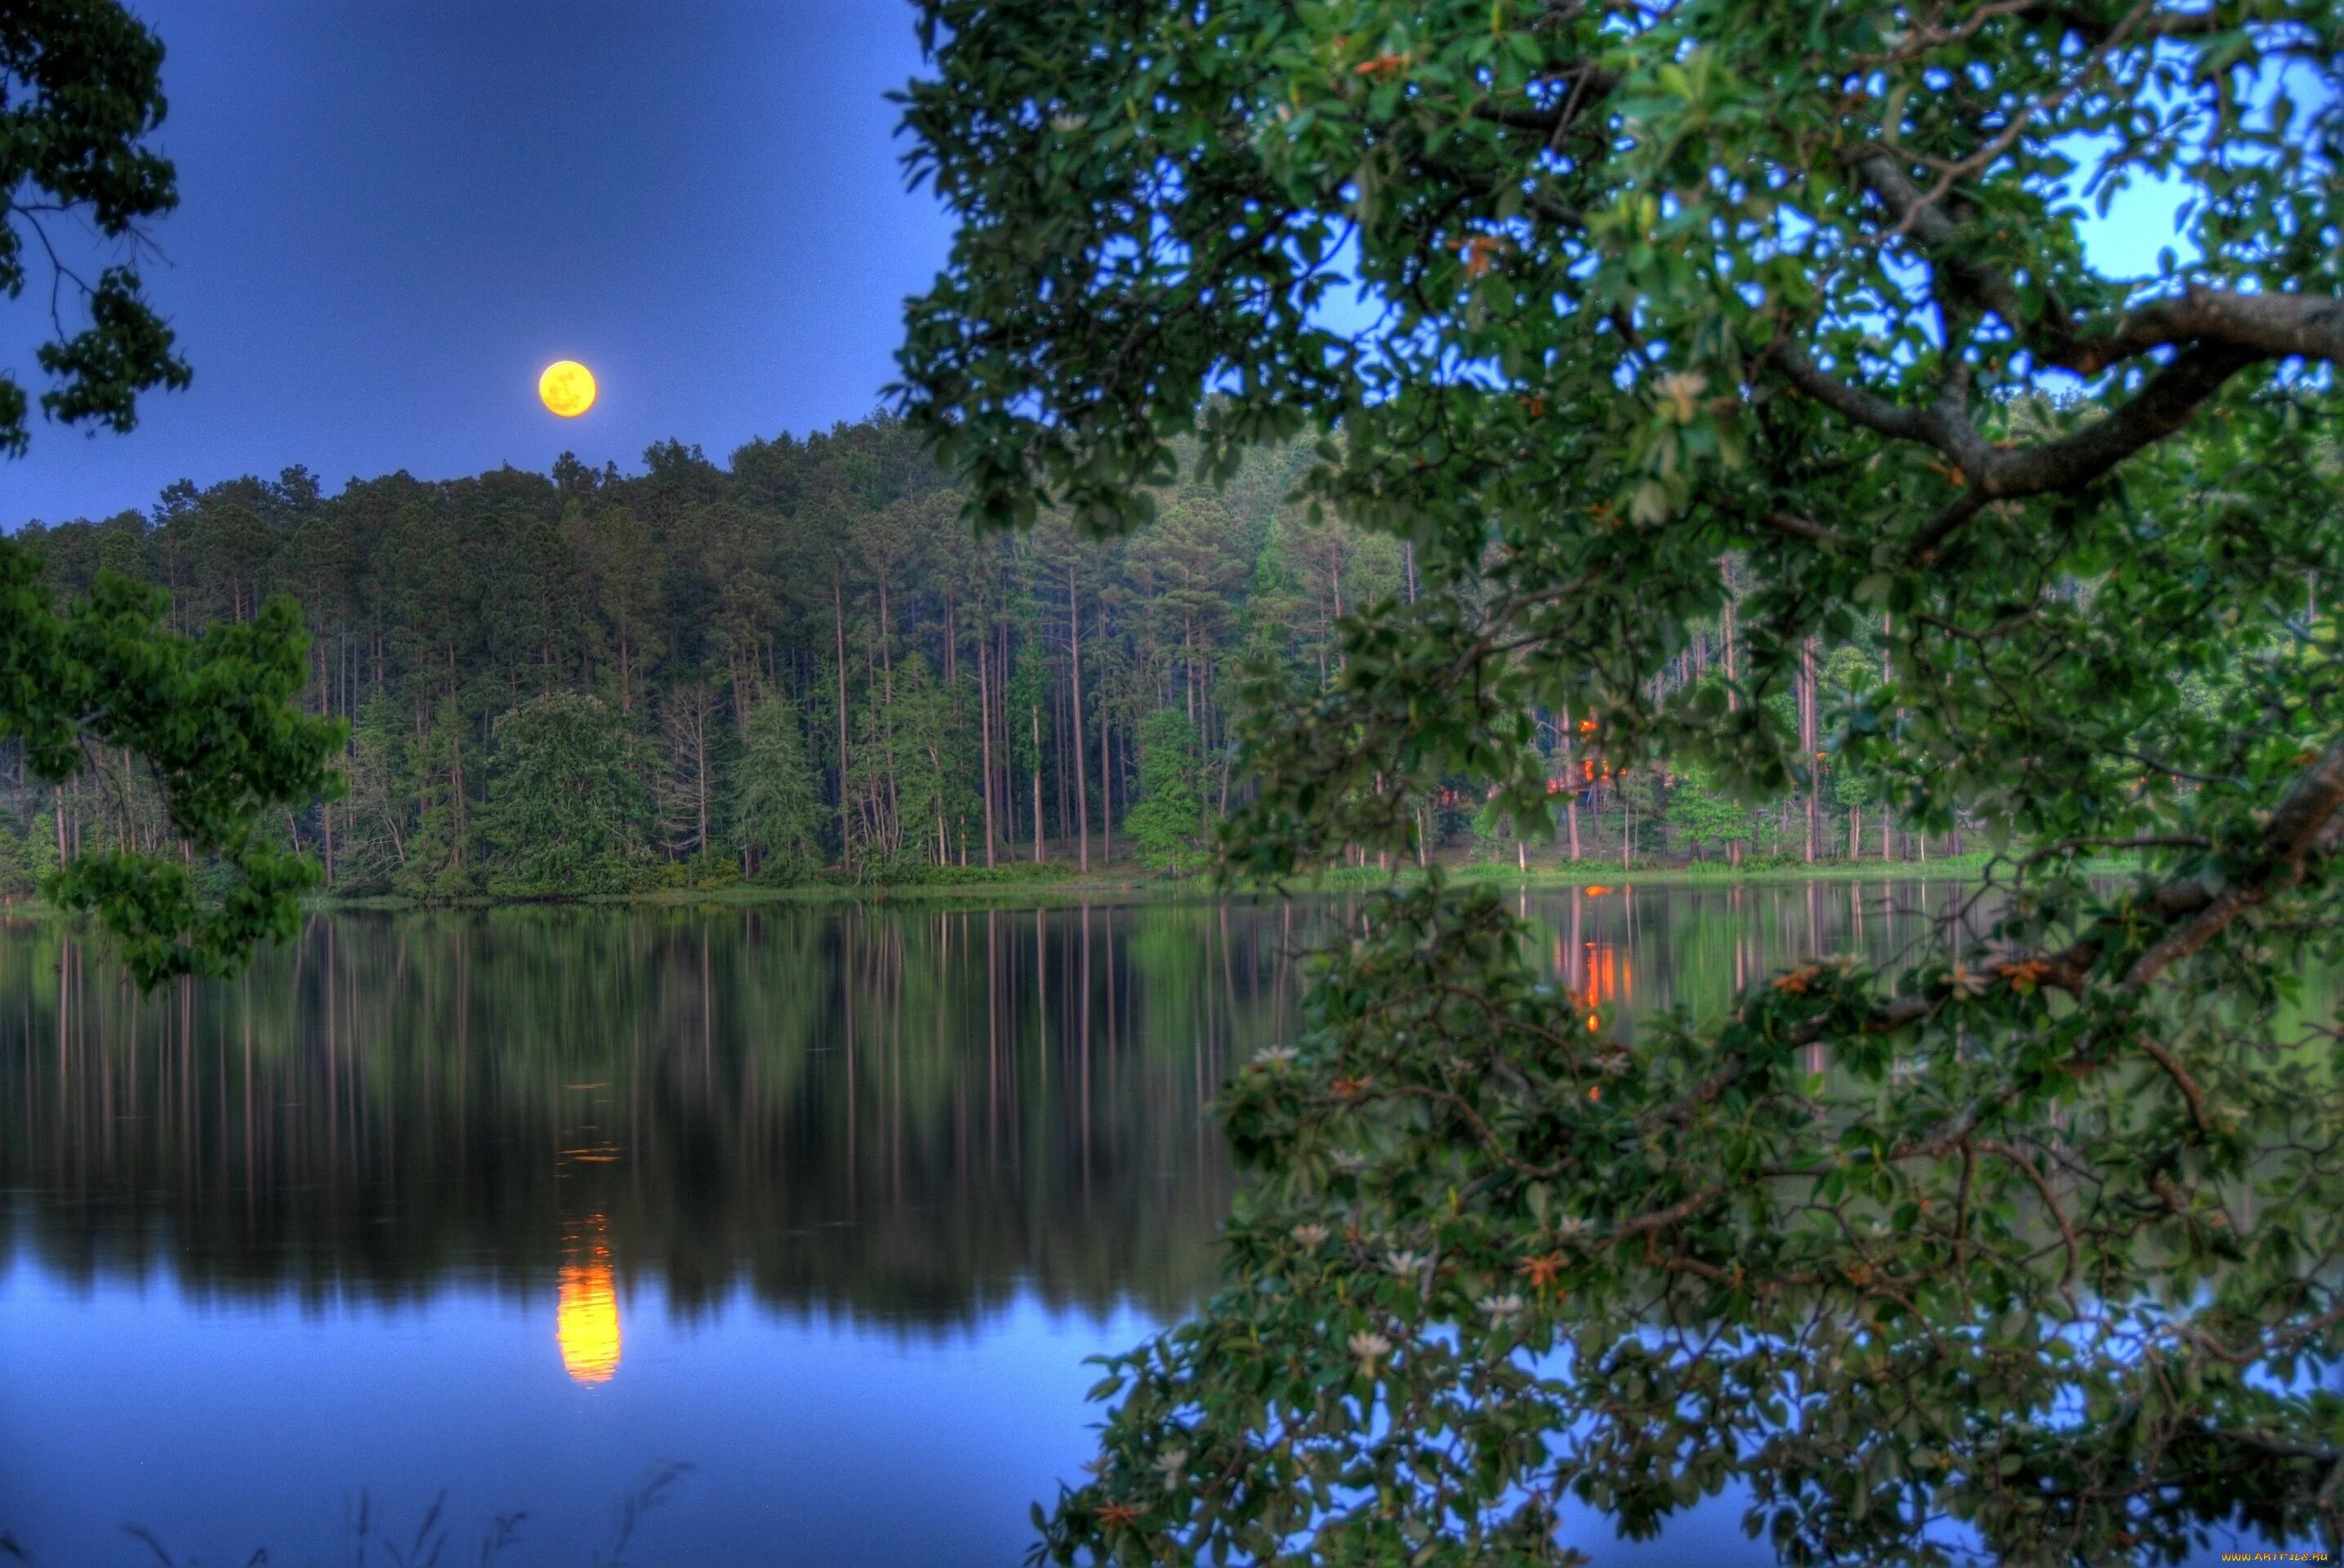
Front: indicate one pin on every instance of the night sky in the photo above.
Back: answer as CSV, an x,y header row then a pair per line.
x,y
394,213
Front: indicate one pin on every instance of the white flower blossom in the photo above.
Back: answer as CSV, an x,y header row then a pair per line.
x,y
1502,1309
1312,1236
1274,1056
1404,1263
1682,391
1172,1462
1370,1348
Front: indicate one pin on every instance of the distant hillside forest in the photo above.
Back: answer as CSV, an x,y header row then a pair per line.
x,y
801,665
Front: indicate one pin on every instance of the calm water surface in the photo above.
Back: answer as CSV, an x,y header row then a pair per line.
x,y
518,1206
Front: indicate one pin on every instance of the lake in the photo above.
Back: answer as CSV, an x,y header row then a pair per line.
x,y
518,1209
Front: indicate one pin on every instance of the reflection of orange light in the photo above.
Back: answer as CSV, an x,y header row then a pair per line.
x,y
1609,978
1596,891
586,1321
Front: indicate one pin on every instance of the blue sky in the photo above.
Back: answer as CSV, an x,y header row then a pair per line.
x,y
394,213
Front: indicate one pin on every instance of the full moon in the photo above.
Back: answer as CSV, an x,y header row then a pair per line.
x,y
567,387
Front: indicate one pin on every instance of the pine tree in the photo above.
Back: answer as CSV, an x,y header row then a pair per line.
x,y
777,807
1168,824
567,811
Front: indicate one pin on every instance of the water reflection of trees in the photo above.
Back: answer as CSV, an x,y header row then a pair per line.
x,y
900,1112
904,1112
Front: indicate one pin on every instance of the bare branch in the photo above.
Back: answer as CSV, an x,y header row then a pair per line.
x,y
1804,528
1937,235
2058,1210
1865,408
1984,156
2182,1081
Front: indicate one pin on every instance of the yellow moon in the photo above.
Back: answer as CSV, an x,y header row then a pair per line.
x,y
567,387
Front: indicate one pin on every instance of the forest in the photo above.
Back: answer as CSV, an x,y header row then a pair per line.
x,y
804,664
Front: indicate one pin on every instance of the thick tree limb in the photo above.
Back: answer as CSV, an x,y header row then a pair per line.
x,y
2294,830
1994,473
2270,326
2160,409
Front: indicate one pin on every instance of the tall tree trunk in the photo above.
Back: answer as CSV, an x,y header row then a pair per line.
x,y
1188,660
456,801
1038,781
1074,662
1627,821
1806,699
1107,781
985,736
1567,748
838,635
700,767
1005,751
1059,753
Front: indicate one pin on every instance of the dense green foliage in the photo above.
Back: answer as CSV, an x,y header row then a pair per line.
x,y
206,727
776,807
692,599
947,701
2030,1243
564,806
1170,823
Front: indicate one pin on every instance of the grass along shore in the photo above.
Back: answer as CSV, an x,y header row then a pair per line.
x,y
1063,881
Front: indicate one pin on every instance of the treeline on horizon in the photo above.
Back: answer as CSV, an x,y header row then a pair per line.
x,y
804,664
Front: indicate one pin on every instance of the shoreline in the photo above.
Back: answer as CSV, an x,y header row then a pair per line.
x,y
1020,885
